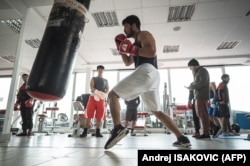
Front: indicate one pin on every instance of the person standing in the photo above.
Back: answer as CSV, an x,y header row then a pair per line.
x,y
96,104
26,104
224,111
201,97
191,104
131,113
143,81
213,108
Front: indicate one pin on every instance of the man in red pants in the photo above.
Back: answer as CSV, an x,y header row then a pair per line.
x,y
96,104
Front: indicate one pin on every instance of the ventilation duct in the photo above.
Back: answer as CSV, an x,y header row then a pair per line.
x,y
9,58
14,25
180,13
105,19
171,49
228,45
34,43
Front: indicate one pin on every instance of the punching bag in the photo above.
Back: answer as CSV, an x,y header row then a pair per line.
x,y
53,65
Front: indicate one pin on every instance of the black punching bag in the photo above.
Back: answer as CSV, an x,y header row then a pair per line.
x,y
53,66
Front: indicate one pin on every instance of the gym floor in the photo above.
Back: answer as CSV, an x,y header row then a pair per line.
x,y
59,149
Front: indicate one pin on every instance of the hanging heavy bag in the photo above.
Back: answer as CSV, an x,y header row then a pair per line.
x,y
53,65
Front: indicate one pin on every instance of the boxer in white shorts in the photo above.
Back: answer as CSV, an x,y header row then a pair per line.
x,y
144,81
147,76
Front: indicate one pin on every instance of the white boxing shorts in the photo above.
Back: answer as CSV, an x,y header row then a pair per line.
x,y
144,82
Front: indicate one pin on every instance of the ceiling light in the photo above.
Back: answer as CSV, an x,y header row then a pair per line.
x,y
34,43
14,25
9,58
171,49
180,13
105,19
228,45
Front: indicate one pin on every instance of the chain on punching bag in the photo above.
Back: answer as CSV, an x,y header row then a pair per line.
x,y
56,55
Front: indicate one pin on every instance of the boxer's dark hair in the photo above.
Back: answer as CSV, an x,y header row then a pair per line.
x,y
132,19
24,75
100,67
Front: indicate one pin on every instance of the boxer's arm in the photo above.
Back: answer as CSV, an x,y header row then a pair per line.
x,y
148,48
127,59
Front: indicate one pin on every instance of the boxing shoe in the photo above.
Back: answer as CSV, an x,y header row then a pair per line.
x,y
182,141
118,133
22,134
30,133
98,133
84,133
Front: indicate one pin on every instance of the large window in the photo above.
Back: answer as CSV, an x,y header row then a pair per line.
x,y
239,87
215,75
4,91
163,83
179,79
80,85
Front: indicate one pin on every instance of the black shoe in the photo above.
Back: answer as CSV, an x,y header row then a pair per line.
x,y
84,133
117,134
30,133
22,134
217,132
182,141
204,136
98,135
132,134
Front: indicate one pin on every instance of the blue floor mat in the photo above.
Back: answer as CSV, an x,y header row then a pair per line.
x,y
241,136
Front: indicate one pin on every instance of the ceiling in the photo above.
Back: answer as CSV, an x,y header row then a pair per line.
x,y
213,22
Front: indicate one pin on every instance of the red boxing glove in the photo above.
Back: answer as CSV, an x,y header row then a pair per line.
x,y
118,39
126,47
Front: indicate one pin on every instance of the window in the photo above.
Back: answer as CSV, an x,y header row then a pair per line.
x,y
215,75
64,106
239,87
80,85
164,81
179,79
4,89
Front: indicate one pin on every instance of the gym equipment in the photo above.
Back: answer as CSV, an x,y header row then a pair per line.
x,y
13,130
53,118
182,115
79,118
235,127
52,68
166,106
141,122
41,121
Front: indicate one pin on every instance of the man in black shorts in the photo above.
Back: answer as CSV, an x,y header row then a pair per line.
x,y
131,113
224,111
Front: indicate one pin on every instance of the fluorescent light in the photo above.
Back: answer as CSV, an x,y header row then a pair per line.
x,y
180,13
105,19
34,43
171,49
9,58
14,25
228,45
